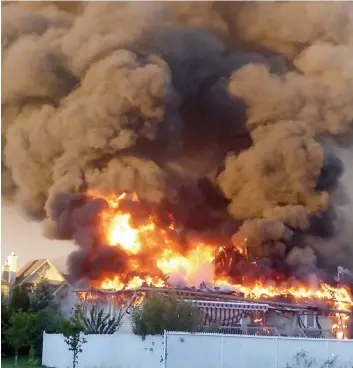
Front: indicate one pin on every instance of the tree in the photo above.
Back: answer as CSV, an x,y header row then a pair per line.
x,y
19,300
166,313
49,321
21,331
41,296
5,348
72,330
42,303
75,343
73,324
98,322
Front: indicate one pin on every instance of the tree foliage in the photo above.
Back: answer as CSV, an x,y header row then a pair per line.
x,y
74,324
48,321
98,322
19,300
22,328
72,330
41,296
94,322
166,313
5,319
75,343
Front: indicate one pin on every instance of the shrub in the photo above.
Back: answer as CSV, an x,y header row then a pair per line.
x,y
22,330
19,300
166,313
72,330
98,322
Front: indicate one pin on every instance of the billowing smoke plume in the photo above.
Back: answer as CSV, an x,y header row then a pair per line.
x,y
216,112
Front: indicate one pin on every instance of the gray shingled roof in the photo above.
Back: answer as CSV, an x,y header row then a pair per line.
x,y
28,269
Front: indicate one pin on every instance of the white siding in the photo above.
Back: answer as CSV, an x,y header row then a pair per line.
x,y
126,324
287,324
67,300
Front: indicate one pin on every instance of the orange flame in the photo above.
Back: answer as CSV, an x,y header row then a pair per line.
x,y
157,253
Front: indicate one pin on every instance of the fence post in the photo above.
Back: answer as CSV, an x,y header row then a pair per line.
x,y
165,350
222,342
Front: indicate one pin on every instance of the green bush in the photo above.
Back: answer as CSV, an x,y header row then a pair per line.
x,y
22,329
19,300
49,321
6,349
166,313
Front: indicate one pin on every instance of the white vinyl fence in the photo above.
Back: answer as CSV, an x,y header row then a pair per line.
x,y
117,350
185,350
201,350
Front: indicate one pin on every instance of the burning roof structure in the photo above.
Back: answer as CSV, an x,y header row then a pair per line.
x,y
156,256
209,295
227,307
178,143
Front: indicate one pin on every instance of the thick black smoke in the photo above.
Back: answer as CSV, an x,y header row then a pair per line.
x,y
215,112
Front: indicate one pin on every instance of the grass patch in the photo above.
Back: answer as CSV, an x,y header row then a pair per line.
x,y
9,362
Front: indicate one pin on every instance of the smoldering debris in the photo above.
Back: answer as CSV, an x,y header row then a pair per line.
x,y
152,98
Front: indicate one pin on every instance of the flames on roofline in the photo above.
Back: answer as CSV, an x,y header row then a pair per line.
x,y
127,298
151,253
211,295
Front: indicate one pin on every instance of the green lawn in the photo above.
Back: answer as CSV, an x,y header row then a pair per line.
x,y
8,362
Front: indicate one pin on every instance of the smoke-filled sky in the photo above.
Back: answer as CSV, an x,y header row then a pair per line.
x,y
253,98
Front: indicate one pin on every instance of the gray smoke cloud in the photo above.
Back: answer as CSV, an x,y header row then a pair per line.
x,y
151,97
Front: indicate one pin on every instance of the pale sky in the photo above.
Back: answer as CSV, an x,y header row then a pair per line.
x,y
25,238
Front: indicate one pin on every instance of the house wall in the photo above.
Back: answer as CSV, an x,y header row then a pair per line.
x,y
108,306
126,324
288,323
67,299
200,350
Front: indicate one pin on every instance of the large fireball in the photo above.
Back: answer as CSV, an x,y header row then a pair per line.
x,y
156,254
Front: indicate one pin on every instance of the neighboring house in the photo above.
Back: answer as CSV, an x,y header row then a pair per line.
x,y
234,315
30,272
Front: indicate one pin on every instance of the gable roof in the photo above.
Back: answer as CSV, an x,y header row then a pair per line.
x,y
31,267
28,269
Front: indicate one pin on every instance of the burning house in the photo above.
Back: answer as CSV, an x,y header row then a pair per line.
x,y
157,259
232,313
180,144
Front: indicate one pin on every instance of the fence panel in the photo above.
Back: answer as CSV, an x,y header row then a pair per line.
x,y
117,350
186,350
248,352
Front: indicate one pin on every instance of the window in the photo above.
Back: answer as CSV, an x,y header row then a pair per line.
x,y
310,321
